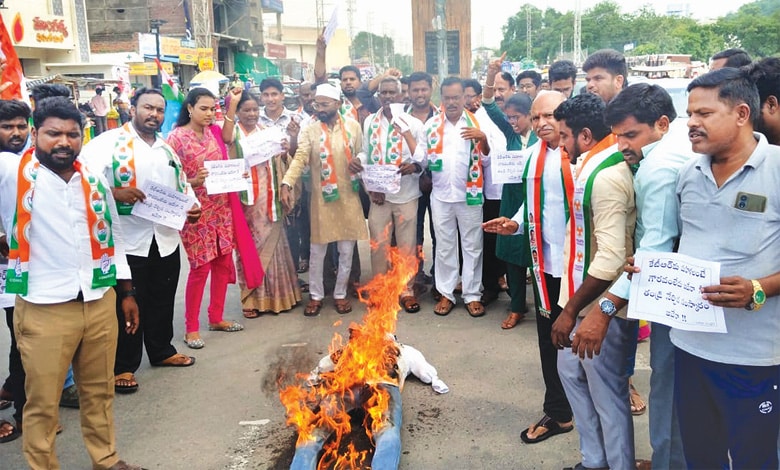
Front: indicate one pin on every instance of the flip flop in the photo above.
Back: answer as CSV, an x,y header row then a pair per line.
x,y
251,313
15,432
638,405
177,360
128,384
553,429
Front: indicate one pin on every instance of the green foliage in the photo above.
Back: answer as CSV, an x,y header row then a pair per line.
x,y
382,46
754,27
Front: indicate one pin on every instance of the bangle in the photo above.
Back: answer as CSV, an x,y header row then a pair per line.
x,y
127,293
228,119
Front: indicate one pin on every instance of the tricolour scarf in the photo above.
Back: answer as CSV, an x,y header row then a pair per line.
x,y
533,215
98,222
273,205
393,148
328,177
123,166
435,144
604,155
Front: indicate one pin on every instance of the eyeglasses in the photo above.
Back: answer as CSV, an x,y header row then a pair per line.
x,y
317,106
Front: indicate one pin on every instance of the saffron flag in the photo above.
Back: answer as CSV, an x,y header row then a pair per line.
x,y
12,82
173,100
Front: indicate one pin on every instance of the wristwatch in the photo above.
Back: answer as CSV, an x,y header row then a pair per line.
x,y
759,297
607,307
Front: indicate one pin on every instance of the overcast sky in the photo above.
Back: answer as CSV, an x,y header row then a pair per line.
x,y
394,17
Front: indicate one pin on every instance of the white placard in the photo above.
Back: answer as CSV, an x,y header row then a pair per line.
x,y
163,205
508,166
262,145
330,28
381,178
668,291
6,300
225,176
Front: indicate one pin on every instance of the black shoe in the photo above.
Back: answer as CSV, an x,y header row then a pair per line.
x,y
70,397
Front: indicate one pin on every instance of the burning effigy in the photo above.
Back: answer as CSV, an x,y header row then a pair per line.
x,y
368,371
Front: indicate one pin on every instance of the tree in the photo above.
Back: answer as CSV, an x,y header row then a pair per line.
x,y
377,49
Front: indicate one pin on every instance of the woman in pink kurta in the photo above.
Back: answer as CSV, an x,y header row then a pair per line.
x,y
209,242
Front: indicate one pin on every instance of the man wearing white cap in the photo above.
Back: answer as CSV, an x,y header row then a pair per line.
x,y
327,146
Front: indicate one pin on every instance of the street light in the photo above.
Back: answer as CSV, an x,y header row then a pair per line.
x,y
154,28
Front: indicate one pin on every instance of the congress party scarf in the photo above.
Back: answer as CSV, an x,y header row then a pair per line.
x,y
347,109
533,215
394,142
603,155
328,178
98,222
435,144
123,166
273,205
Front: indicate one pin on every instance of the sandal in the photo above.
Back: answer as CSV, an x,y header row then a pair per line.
x,y
443,307
251,313
195,342
312,308
410,304
11,432
552,428
638,406
343,306
177,360
475,308
125,383
228,326
512,320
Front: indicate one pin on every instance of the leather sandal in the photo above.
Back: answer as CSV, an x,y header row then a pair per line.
x,y
343,306
410,304
312,308
512,320
443,307
475,308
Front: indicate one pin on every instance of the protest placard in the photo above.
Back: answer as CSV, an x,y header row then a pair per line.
x,y
260,146
163,205
225,176
668,291
381,178
508,166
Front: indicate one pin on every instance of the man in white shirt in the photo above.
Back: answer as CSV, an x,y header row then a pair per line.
x,y
543,218
455,147
130,157
390,138
66,251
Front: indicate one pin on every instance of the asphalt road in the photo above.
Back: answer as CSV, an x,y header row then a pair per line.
x,y
196,418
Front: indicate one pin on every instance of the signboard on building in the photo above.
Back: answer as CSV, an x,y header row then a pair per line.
x,y
149,68
432,52
205,58
44,31
275,50
275,6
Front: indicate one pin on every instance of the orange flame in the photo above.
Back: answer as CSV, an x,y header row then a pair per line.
x,y
368,359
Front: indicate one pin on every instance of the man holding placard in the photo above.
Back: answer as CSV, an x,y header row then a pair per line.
x,y
389,142
726,385
131,156
599,236
642,117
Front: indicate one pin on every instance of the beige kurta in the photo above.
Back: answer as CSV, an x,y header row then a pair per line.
x,y
341,219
